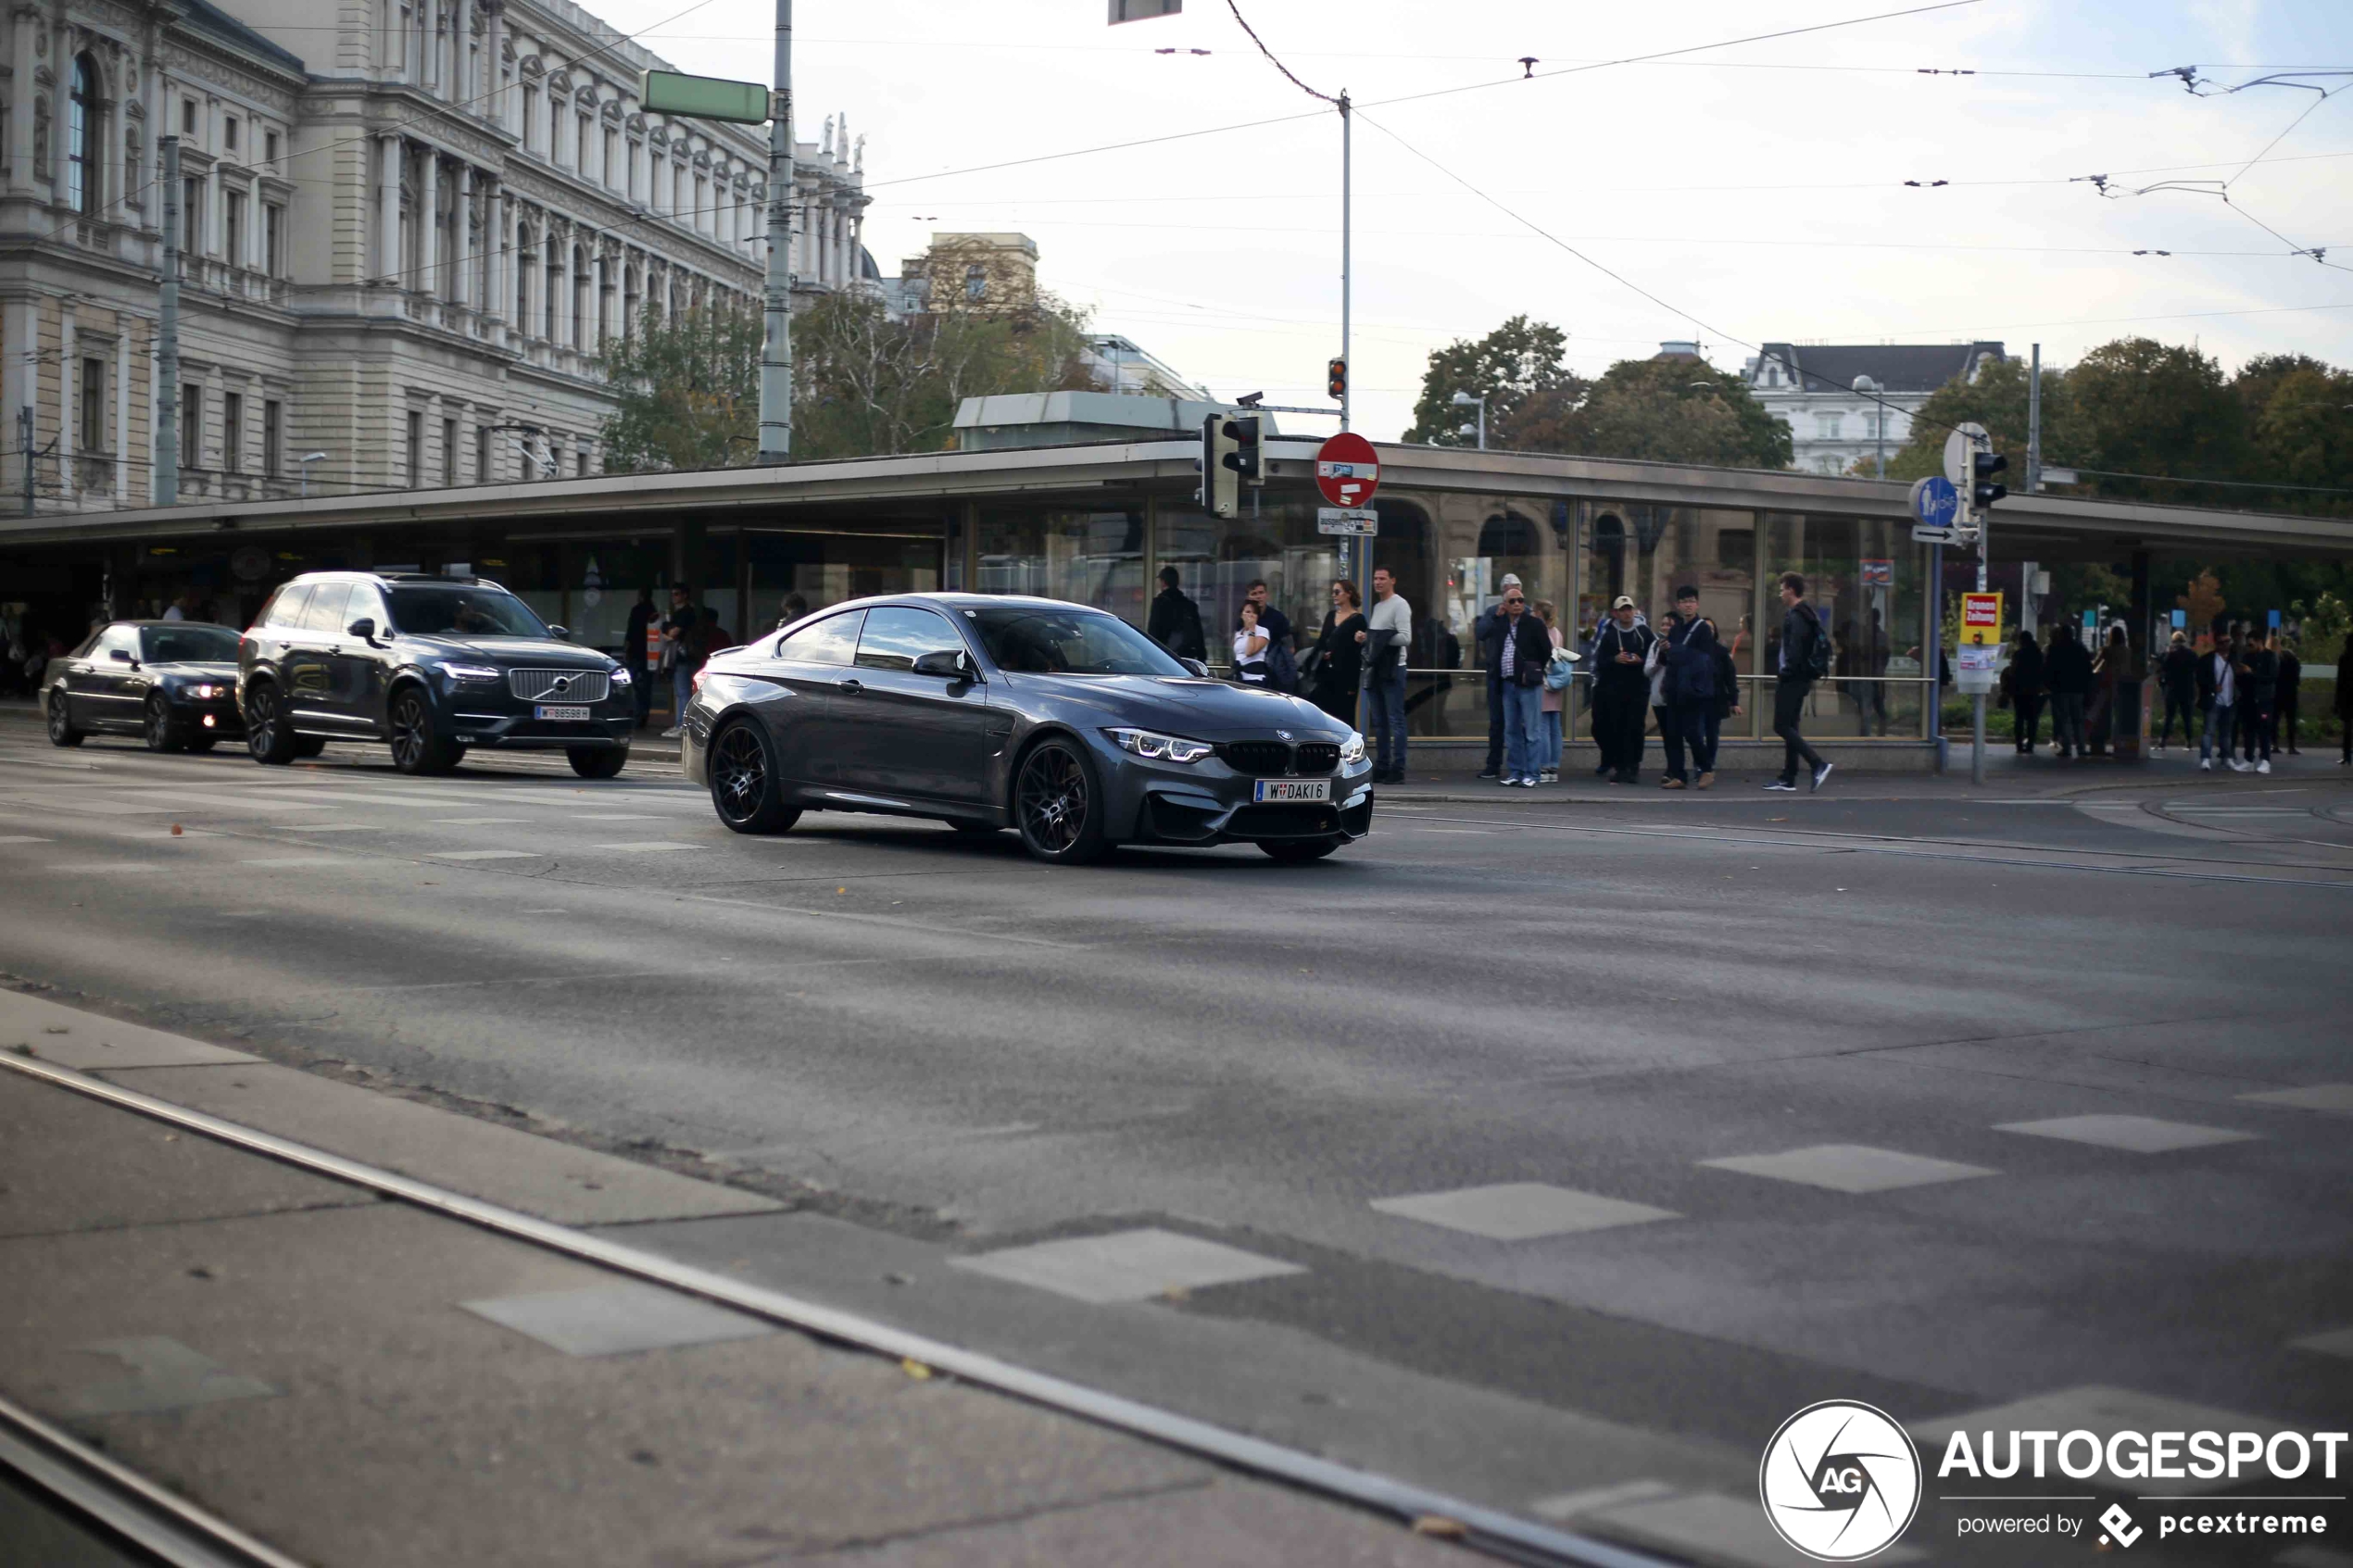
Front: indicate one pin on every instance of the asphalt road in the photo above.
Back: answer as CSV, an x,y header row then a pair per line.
x,y
1014,1102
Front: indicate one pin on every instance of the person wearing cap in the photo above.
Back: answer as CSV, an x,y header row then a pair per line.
x,y
1621,690
1486,632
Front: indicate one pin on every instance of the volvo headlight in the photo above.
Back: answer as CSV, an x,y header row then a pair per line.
x,y
1352,750
1160,747
453,673
620,678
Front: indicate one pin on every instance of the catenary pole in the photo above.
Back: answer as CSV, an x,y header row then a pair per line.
x,y
167,388
2035,427
1347,123
776,351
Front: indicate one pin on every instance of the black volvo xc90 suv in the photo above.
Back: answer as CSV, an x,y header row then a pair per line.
x,y
434,665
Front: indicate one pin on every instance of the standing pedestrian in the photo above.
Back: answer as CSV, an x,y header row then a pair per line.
x,y
1804,658
680,628
1339,661
2177,677
642,615
2344,701
1249,648
1670,739
1282,659
2067,670
2291,679
1175,619
1388,631
1556,698
715,637
2109,672
1522,650
1486,632
2023,681
1621,690
2259,671
2218,688
1692,715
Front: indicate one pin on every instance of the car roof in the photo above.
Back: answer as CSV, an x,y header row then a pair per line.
x,y
395,579
939,599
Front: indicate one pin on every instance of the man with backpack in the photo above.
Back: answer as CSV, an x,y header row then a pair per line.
x,y
1693,679
1176,619
1806,658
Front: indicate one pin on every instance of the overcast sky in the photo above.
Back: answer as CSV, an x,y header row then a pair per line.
x,y
1758,188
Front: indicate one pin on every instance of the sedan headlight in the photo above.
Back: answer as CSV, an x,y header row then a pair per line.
x,y
1160,747
620,678
204,693
455,672
1352,750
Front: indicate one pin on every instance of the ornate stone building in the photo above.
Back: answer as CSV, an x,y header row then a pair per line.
x,y
1810,388
409,226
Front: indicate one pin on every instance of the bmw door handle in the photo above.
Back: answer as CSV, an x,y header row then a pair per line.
x,y
850,688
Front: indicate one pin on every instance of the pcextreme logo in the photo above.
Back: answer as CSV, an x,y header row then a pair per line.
x,y
1839,1480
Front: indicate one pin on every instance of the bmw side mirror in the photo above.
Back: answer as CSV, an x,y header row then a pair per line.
x,y
946,663
122,654
1194,666
364,629
560,633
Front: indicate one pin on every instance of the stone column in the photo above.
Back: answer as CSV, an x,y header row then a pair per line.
x,y
122,409
22,24
68,405
493,64
558,286
389,206
430,278
464,219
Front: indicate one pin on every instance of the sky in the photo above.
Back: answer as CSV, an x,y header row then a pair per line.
x,y
1748,191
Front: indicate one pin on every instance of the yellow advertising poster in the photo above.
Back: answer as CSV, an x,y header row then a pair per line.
x,y
1980,620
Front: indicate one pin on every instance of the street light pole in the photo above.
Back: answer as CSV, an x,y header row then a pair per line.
x,y
1466,400
1347,126
776,351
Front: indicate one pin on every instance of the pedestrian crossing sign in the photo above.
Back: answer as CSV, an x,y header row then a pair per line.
x,y
1980,620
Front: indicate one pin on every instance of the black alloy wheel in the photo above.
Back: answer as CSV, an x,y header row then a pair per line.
x,y
62,730
417,747
597,761
744,788
162,731
1294,851
270,735
1057,805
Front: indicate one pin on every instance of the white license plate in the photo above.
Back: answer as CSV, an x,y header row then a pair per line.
x,y
1291,789
546,711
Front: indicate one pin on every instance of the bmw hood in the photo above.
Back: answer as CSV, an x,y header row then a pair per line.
x,y
1188,705
195,669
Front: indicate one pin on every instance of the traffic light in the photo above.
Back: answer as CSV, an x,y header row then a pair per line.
x,y
1221,480
1984,468
1248,457
1336,379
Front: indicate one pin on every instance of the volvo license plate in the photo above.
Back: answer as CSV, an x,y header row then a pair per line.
x,y
559,713
1291,789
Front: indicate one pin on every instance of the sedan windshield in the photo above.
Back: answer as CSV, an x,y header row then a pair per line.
x,y
191,642
465,612
1031,640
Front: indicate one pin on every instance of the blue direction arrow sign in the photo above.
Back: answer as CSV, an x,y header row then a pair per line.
x,y
1935,501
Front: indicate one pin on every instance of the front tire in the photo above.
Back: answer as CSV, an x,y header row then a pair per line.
x,y
161,730
745,788
417,747
62,730
1058,805
270,735
598,762
1297,851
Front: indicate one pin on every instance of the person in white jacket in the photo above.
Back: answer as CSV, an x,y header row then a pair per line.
x,y
1389,632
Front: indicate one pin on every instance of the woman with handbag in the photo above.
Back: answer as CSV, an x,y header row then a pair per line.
x,y
1340,657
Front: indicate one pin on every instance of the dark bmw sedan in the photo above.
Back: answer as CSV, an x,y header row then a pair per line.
x,y
1060,721
172,681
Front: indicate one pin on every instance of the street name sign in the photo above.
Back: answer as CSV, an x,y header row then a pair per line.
x,y
705,97
1347,470
1359,522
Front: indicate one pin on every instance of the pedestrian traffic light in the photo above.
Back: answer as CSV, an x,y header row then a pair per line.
x,y
1336,378
1983,468
1221,481
1248,457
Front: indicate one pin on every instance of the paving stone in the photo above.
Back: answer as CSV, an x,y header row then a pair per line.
x,y
1521,1210
1845,1167
1125,1266
2137,1134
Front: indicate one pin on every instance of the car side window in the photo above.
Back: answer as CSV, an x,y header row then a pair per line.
x,y
285,611
114,639
895,635
831,641
324,614
365,603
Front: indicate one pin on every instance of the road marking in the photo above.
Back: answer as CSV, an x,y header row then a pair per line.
x,y
259,800
2336,1342
164,1376
102,868
1124,1266
615,817
1521,1210
482,854
330,827
2311,1097
650,848
25,839
1845,1167
2136,1135
614,1320
476,822
84,804
542,911
289,862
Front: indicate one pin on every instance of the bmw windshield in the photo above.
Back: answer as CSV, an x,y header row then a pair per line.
x,y
1035,640
464,612
189,642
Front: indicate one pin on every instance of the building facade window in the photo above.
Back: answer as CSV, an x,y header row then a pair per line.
x,y
449,452
191,426
1827,426
229,135
976,282
269,147
92,436
187,117
191,218
235,222
482,453
273,240
416,448
84,137
273,438
233,433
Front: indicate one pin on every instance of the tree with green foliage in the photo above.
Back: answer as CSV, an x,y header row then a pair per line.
x,y
1518,368
688,393
1672,410
2148,408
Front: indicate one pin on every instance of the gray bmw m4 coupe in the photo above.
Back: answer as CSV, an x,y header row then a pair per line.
x,y
1062,722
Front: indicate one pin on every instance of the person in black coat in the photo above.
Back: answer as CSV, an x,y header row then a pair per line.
x,y
1621,690
2023,680
2066,670
1340,657
2291,678
2258,670
2177,677
1175,619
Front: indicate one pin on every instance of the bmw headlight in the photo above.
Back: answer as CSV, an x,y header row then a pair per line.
x,y
453,673
620,678
1352,750
203,692
1160,747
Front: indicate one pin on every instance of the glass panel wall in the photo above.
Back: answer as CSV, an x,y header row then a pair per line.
x,y
606,575
1218,557
826,567
1089,556
1864,577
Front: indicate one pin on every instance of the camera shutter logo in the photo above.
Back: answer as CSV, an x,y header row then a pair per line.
x,y
1841,1481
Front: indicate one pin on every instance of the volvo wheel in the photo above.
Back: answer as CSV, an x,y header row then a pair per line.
x,y
269,735
744,786
417,747
598,761
1058,806
62,730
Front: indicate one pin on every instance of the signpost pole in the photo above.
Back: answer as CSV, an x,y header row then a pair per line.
x,y
776,349
1977,705
1347,123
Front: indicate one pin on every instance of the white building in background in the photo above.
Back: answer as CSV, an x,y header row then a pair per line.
x,y
1809,387
410,228
1120,366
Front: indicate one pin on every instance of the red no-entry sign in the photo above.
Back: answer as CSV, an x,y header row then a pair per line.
x,y
1346,469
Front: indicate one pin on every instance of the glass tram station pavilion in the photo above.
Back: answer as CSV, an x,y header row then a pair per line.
x,y
1097,522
